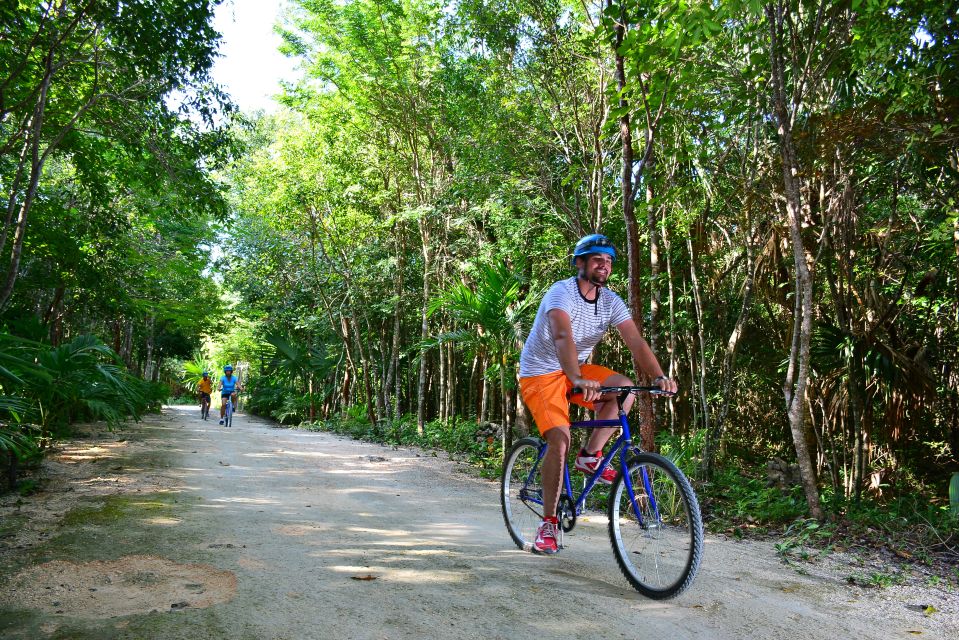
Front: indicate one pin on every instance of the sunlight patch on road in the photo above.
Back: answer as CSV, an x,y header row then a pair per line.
x,y
239,500
392,533
304,454
358,471
409,576
428,552
167,522
79,453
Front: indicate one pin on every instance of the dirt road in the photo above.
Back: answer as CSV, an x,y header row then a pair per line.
x,y
179,528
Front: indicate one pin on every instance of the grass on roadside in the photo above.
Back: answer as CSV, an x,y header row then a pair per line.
x,y
458,437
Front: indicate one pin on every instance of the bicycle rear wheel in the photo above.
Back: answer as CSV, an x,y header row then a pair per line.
x,y
521,491
657,535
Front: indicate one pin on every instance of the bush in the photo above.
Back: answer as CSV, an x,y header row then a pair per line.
x,y
79,380
44,389
734,498
685,451
273,398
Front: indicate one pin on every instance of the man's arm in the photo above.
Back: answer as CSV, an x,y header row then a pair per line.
x,y
561,329
643,357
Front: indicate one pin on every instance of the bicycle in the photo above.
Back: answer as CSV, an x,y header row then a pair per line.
x,y
204,407
655,525
228,412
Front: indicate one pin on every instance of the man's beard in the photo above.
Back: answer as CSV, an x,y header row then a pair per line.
x,y
599,279
594,279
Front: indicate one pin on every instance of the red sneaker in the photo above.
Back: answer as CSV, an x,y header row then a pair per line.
x,y
546,537
587,464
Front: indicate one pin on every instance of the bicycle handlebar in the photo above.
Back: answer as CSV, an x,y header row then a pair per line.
x,y
625,389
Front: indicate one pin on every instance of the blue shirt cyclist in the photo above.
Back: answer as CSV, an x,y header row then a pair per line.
x,y
227,390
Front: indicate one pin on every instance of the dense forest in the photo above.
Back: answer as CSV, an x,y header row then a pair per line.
x,y
780,179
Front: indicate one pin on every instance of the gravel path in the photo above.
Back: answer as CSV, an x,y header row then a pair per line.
x,y
332,538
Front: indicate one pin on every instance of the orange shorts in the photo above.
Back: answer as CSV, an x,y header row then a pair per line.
x,y
545,395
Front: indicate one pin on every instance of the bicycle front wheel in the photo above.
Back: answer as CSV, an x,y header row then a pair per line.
x,y
521,491
655,527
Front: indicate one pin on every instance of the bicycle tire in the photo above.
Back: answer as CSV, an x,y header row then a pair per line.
x,y
658,556
521,491
229,413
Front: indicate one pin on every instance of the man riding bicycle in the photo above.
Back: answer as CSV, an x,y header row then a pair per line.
x,y
205,388
572,318
227,390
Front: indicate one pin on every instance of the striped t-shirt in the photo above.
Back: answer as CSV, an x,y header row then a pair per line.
x,y
590,321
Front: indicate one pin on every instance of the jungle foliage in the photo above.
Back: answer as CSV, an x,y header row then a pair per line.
x,y
789,238
110,133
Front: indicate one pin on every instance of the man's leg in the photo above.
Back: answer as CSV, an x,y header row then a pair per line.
x,y
608,410
549,534
552,472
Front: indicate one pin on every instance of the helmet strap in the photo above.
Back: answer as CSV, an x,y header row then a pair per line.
x,y
596,286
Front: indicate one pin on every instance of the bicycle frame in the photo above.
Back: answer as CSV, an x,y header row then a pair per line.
x,y
622,446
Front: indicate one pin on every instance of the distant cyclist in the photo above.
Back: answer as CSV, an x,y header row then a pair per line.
x,y
205,388
227,390
572,318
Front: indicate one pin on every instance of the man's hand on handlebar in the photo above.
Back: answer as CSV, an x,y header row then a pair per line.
x,y
589,388
668,385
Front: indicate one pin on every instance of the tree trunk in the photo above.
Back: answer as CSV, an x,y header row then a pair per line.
x,y
392,378
672,371
148,360
37,161
470,400
127,351
443,384
451,380
484,393
12,467
654,269
701,344
797,377
506,409
424,330
116,335
635,298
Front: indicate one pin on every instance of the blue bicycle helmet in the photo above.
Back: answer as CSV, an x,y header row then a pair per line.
x,y
206,373
593,243
228,367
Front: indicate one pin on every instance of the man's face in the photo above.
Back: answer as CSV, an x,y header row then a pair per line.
x,y
596,267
